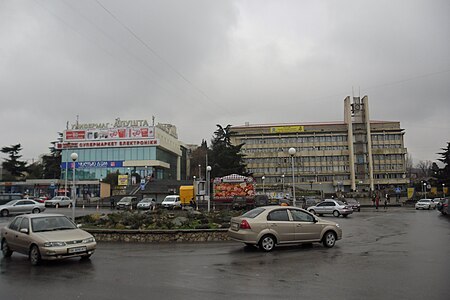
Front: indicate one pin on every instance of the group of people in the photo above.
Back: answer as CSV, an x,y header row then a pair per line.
x,y
376,200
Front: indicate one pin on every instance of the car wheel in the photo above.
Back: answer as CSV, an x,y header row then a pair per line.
x,y
359,209
7,252
336,213
4,213
35,255
36,211
417,208
329,239
267,243
429,207
312,211
345,216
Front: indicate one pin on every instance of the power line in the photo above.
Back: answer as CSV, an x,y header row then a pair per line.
x,y
127,28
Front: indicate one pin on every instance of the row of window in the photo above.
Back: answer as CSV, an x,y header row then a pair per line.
x,y
300,169
322,169
295,140
285,150
386,137
315,139
112,154
297,159
320,159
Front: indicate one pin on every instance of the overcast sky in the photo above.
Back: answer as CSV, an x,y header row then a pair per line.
x,y
196,64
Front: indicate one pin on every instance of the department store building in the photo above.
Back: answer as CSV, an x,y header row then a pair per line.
x,y
126,146
357,154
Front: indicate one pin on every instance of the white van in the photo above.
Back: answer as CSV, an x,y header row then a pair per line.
x,y
171,201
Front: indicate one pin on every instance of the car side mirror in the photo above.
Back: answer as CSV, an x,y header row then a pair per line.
x,y
24,230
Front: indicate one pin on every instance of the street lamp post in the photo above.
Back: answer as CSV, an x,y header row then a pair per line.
x,y
292,153
208,186
74,157
199,172
263,178
443,189
282,180
65,179
425,189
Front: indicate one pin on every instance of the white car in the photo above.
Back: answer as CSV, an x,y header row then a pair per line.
x,y
58,200
425,204
171,201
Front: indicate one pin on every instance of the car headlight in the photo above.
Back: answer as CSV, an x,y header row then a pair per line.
x,y
54,244
89,240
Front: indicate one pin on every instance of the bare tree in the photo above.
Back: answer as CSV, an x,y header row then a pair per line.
x,y
425,169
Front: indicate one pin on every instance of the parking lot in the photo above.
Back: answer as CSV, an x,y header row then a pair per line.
x,y
400,253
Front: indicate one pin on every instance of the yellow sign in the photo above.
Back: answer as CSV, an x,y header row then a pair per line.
x,y
122,180
434,190
410,193
287,129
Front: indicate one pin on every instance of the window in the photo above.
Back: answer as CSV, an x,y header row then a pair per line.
x,y
278,215
301,216
24,224
15,224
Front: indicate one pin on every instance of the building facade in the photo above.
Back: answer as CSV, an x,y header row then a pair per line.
x,y
129,147
356,155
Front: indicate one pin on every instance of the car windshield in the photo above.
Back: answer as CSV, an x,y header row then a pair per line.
x,y
146,200
424,201
253,213
350,200
340,202
51,223
169,200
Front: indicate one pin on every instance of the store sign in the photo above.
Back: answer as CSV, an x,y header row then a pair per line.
x,y
287,129
94,164
122,180
107,144
120,129
110,134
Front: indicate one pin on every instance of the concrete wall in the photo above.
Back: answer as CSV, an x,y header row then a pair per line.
x,y
148,236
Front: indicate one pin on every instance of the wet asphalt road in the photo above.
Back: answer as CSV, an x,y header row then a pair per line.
x,y
398,254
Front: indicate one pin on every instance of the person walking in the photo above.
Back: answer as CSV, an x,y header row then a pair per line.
x,y
377,201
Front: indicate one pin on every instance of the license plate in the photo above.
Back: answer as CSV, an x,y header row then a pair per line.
x,y
77,250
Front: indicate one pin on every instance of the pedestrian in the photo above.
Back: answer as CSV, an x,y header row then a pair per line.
x,y
377,201
385,202
112,202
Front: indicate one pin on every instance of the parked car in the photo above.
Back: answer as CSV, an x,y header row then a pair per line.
x,y
127,203
437,201
443,206
146,204
330,206
46,237
356,206
171,201
58,200
5,198
425,204
268,226
23,206
41,199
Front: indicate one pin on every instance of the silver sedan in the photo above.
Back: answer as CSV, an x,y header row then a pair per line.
x,y
22,206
